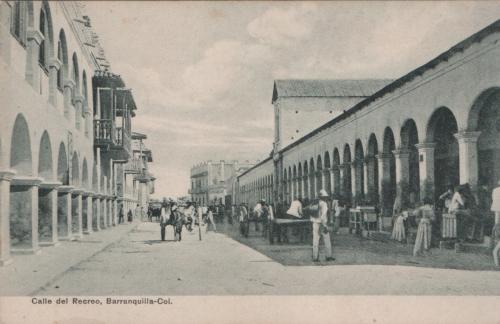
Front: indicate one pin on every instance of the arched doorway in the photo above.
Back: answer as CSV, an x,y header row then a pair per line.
x,y
63,205
409,139
359,158
347,190
46,203
312,178
337,186
306,181
388,183
441,129
21,202
372,170
319,174
328,180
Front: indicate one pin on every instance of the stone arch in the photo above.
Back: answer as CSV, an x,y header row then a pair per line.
x,y
75,170
45,169
62,165
409,140
359,159
484,117
441,130
20,148
372,170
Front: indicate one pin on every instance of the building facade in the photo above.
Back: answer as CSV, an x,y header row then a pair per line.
x,y
212,181
65,127
436,126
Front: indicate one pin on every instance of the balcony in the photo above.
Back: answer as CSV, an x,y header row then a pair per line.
x,y
115,140
134,166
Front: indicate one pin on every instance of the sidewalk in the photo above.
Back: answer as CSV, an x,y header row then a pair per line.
x,y
28,273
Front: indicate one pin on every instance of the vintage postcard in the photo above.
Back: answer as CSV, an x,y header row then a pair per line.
x,y
249,162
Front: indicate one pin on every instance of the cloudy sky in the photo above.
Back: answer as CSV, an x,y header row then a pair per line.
x,y
202,73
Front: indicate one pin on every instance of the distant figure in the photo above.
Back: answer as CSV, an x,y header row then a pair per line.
x,y
243,220
495,203
137,212
210,219
120,215
320,228
446,199
295,210
164,219
257,211
496,240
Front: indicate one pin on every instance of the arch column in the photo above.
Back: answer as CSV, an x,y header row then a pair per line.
x,y
54,67
34,38
115,210
48,225
467,152
24,192
354,184
5,179
64,219
384,180
77,220
366,183
97,214
426,168
402,159
327,181
89,211
306,186
333,184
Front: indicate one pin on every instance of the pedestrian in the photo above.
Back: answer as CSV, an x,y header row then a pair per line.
x,y
424,232
257,211
137,212
164,219
264,218
177,220
445,198
243,220
496,241
130,216
320,228
495,203
189,212
295,210
210,219
120,215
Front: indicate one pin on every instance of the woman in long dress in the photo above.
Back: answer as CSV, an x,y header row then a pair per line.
x,y
424,231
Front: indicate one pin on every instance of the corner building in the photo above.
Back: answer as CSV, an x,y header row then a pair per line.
x,y
65,127
436,126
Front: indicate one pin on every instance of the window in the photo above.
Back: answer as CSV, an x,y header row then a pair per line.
x,y
18,21
41,55
62,56
76,76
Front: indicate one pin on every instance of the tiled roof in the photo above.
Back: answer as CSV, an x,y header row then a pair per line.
x,y
327,88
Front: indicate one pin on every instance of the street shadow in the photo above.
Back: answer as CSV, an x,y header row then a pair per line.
x,y
151,242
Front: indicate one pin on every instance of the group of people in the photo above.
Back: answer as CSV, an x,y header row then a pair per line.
x,y
130,215
187,216
316,213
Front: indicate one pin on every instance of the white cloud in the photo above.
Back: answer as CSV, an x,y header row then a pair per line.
x,y
278,26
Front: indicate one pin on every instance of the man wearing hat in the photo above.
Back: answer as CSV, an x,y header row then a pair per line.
x,y
320,228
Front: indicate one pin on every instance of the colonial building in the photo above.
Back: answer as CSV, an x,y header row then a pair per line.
x,y
211,181
436,126
65,127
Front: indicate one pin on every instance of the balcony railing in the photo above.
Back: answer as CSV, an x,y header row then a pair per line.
x,y
112,138
134,166
103,132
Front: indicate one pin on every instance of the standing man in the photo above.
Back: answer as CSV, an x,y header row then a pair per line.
x,y
120,214
164,219
320,228
138,212
495,203
243,220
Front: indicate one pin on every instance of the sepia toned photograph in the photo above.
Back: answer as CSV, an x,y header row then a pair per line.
x,y
274,152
